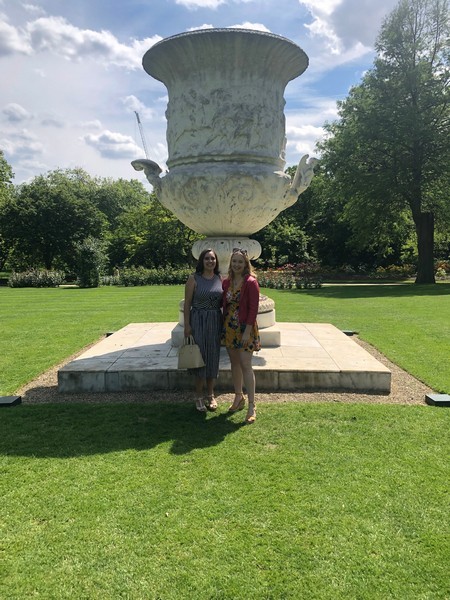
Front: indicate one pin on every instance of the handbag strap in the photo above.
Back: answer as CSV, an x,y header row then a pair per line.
x,y
189,340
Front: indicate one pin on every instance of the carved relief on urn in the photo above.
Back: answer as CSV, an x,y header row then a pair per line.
x,y
225,129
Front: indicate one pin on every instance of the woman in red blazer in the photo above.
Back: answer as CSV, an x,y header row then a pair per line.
x,y
241,335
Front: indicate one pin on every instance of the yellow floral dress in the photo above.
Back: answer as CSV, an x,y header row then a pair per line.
x,y
233,330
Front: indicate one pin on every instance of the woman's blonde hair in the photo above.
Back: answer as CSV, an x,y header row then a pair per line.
x,y
248,269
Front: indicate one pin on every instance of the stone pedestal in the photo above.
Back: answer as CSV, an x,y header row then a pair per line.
x,y
268,329
224,246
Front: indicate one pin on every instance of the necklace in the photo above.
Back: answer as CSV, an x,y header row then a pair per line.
x,y
211,277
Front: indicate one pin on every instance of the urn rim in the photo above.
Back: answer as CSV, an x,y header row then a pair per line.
x,y
153,56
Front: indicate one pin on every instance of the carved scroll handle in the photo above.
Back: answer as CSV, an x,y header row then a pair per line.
x,y
302,178
152,171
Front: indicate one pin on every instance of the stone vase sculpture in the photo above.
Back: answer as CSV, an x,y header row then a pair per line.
x,y
226,133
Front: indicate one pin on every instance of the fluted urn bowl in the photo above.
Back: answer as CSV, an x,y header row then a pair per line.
x,y
225,127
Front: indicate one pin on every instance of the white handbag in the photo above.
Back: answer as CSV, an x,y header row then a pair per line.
x,y
189,355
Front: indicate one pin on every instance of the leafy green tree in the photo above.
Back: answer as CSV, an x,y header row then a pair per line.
x,y
389,154
43,221
91,261
151,236
6,191
114,197
283,241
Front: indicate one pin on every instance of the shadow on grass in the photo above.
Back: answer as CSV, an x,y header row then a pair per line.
x,y
375,290
61,431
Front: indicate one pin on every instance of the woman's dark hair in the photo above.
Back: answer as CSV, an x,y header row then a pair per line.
x,y
200,266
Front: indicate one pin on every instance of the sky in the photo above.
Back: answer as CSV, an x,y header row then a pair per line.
x,y
71,75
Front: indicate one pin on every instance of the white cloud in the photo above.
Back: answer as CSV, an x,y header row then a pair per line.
x,y
204,26
194,4
253,26
347,27
12,41
22,144
33,9
113,145
52,121
16,113
56,35
133,104
96,124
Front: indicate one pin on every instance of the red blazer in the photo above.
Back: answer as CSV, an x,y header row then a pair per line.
x,y
249,300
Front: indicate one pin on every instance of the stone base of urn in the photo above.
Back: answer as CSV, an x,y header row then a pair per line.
x,y
224,246
268,330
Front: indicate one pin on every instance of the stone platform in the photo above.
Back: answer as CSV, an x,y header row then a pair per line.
x,y
312,356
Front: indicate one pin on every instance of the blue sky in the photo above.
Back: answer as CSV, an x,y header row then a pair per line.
x,y
72,77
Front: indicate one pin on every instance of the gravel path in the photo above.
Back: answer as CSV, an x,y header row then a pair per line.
x,y
405,389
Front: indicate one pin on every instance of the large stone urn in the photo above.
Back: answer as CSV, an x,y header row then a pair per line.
x,y
226,141
226,133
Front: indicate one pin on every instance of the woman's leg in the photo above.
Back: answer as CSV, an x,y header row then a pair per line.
x,y
249,382
236,375
212,403
199,401
245,361
199,384
236,371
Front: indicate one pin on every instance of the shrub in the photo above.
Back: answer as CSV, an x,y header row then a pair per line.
x,y
292,276
395,272
36,278
442,269
141,276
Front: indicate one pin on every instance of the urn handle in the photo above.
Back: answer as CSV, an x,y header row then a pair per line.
x,y
302,178
152,171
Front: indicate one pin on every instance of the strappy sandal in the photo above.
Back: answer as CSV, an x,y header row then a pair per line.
x,y
251,414
238,403
211,403
200,405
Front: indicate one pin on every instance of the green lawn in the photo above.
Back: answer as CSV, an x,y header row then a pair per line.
x,y
153,501
41,327
143,501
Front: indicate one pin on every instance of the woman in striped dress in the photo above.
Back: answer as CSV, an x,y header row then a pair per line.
x,y
203,320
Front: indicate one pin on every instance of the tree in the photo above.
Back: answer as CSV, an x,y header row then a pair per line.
x,y
283,241
114,197
151,236
389,154
43,221
91,260
6,191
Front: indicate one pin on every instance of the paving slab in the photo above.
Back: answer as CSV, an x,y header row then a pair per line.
x,y
312,356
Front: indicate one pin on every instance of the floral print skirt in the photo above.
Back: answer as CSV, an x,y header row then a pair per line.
x,y
233,330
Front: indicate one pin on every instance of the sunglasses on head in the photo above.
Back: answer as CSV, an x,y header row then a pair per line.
x,y
240,250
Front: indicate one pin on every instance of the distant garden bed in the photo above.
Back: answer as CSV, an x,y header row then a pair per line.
x,y
306,275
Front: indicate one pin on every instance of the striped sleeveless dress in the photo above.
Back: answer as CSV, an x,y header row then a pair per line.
x,y
206,323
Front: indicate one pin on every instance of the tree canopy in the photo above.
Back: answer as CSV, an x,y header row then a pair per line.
x,y
44,220
390,149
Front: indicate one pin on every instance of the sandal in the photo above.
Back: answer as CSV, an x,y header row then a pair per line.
x,y
212,403
251,414
238,403
200,405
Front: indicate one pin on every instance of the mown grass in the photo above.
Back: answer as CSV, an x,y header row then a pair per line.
x,y
410,324
41,327
147,501
153,501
